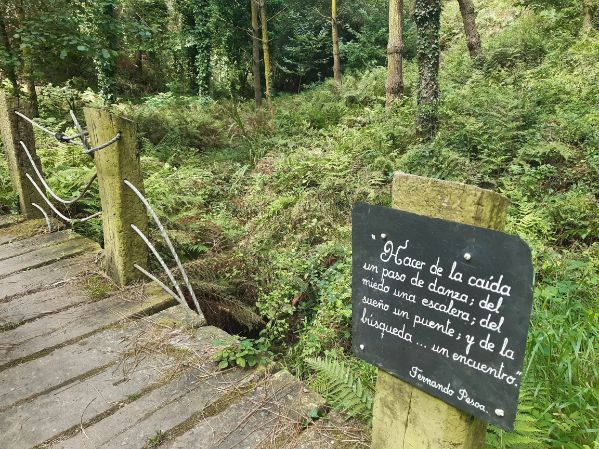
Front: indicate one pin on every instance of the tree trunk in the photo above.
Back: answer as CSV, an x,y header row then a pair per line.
x,y
11,73
266,55
191,53
31,90
470,28
106,67
427,15
203,39
588,15
335,35
27,63
139,63
394,85
256,55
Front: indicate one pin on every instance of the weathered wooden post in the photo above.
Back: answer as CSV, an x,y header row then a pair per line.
x,y
120,207
440,303
405,417
14,129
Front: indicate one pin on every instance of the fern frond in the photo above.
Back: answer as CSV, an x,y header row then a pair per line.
x,y
526,435
336,382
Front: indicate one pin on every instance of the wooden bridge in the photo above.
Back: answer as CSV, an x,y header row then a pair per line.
x,y
92,357
86,364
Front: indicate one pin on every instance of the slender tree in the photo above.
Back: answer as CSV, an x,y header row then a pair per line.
x,y
588,15
197,38
203,40
267,69
256,55
427,15
470,29
394,85
27,62
107,33
191,50
8,62
335,36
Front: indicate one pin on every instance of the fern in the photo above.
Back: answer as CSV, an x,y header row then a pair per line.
x,y
344,391
526,435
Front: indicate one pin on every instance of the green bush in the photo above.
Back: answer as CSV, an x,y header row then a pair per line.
x,y
243,352
187,118
523,43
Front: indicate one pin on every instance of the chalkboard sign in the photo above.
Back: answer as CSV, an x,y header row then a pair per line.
x,y
443,306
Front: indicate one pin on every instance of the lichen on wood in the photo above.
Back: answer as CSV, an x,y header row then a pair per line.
x,y
120,206
14,130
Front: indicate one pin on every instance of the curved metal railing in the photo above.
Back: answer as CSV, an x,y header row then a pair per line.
x,y
81,139
179,295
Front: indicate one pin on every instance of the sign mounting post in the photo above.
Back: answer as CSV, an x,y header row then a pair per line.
x,y
441,306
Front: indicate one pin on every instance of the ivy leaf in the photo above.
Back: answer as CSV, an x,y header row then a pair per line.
x,y
105,53
63,54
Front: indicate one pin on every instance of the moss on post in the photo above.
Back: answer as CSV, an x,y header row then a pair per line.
x,y
120,207
14,129
404,416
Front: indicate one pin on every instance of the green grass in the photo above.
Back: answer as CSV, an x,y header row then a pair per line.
x,y
156,440
98,287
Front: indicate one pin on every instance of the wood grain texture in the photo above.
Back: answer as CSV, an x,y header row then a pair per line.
x,y
405,417
120,207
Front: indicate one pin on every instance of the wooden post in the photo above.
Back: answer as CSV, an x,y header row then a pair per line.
x,y
14,129
405,417
120,207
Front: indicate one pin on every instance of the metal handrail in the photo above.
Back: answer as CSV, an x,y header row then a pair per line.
x,y
167,240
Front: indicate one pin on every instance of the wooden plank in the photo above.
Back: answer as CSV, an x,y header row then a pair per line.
x,y
35,305
51,331
331,432
31,423
162,409
62,272
72,247
178,316
8,220
32,378
271,414
23,230
19,247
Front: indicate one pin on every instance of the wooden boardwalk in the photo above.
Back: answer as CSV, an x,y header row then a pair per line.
x,y
84,364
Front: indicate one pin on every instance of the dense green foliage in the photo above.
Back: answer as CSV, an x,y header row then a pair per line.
x,y
260,208
243,352
341,387
127,48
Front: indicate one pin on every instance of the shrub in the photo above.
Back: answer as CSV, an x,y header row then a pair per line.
x,y
187,118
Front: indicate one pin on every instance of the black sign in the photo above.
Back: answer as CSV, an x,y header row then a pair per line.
x,y
443,306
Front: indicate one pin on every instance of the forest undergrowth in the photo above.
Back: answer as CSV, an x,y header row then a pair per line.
x,y
260,209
